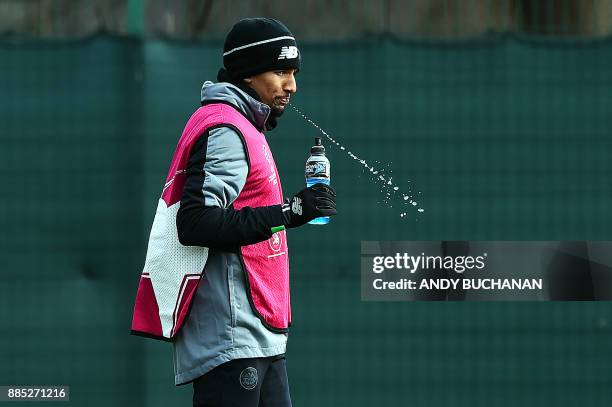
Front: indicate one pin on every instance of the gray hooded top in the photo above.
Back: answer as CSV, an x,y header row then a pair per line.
x,y
221,325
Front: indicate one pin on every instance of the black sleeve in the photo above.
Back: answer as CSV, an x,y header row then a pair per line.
x,y
213,226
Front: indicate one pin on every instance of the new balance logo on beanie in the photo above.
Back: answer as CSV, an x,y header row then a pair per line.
x,y
288,52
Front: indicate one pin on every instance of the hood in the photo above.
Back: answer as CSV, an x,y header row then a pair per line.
x,y
224,92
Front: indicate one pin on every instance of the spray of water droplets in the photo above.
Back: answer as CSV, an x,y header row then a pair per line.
x,y
382,177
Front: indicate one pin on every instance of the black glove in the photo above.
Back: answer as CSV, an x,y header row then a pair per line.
x,y
308,204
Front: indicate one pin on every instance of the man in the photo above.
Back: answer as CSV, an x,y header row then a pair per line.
x,y
222,211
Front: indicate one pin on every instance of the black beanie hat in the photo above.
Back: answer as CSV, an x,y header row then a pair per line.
x,y
256,45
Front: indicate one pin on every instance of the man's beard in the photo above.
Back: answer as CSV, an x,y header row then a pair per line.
x,y
275,112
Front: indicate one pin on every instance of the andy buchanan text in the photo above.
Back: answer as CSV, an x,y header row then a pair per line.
x,y
465,284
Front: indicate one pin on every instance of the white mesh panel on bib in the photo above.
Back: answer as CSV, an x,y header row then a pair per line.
x,y
168,262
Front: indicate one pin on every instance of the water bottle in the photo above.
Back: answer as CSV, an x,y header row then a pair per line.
x,y
317,172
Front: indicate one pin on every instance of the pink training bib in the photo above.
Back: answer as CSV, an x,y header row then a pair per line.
x,y
172,271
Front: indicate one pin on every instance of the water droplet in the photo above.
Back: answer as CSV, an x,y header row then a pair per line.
x,y
385,174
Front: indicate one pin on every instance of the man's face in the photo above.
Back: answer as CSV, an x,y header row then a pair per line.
x,y
274,88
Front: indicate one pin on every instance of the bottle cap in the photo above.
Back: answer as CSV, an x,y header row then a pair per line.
x,y
318,148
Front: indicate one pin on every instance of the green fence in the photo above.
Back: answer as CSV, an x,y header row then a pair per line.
x,y
505,138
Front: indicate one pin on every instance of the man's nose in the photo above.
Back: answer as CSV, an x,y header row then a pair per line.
x,y
290,84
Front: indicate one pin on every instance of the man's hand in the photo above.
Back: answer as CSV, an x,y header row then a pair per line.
x,y
308,204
